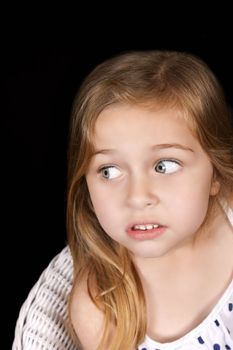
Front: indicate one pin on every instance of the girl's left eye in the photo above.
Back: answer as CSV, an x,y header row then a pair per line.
x,y
110,172
167,166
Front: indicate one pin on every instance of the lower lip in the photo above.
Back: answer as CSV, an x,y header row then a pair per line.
x,y
147,234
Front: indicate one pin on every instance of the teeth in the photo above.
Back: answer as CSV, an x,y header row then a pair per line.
x,y
145,227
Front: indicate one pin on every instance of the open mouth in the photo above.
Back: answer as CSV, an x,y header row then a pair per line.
x,y
145,227
145,231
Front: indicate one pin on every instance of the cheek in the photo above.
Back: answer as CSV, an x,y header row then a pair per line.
x,y
190,206
106,217
103,205
98,202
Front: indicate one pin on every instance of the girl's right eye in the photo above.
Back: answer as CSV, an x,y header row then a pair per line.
x,y
110,172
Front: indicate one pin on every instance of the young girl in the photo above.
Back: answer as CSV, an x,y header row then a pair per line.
x,y
150,190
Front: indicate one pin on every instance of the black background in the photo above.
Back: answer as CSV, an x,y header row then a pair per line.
x,y
43,65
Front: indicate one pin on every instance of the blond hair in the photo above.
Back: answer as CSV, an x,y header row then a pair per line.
x,y
168,79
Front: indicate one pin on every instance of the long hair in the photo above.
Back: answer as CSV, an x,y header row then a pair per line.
x,y
162,78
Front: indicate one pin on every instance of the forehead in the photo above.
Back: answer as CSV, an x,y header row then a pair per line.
x,y
126,121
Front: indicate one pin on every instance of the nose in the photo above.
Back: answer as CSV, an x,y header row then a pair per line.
x,y
141,192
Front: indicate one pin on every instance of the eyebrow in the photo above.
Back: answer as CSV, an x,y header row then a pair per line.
x,y
155,147
172,145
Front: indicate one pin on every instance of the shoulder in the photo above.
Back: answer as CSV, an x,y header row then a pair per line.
x,y
87,319
42,321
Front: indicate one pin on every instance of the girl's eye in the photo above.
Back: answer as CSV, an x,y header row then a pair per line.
x,y
110,172
167,166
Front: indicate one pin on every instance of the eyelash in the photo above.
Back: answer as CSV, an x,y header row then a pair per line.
x,y
168,160
106,167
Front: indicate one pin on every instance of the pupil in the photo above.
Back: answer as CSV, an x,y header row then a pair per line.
x,y
161,167
106,173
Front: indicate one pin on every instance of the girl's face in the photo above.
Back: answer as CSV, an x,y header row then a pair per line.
x,y
149,179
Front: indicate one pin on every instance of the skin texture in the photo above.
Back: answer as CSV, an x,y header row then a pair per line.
x,y
148,168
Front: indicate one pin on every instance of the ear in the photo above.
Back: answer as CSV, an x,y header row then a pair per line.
x,y
215,187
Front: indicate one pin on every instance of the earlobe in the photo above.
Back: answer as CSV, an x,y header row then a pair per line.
x,y
215,187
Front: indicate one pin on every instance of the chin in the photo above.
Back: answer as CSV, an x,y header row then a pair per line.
x,y
143,254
